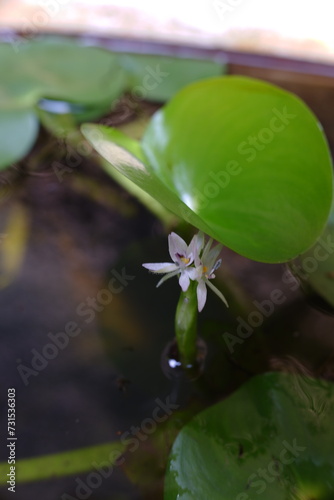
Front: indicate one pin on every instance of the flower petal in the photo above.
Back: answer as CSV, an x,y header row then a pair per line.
x,y
195,248
211,260
200,240
162,267
199,245
201,295
206,252
217,292
176,245
195,273
184,281
167,276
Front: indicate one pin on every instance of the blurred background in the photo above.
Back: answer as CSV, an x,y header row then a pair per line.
x,y
297,29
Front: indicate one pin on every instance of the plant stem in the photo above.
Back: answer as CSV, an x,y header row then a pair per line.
x,y
63,464
186,326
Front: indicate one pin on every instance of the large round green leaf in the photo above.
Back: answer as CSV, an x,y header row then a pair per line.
x,y
271,439
18,132
64,71
250,160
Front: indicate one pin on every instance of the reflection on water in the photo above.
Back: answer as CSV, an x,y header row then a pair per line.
x,y
172,366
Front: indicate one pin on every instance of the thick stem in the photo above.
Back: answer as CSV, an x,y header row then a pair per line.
x,y
186,326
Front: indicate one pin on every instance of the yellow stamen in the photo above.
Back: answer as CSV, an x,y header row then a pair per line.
x,y
185,260
205,269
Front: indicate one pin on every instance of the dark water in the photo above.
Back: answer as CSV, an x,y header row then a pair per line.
x,y
110,375
75,398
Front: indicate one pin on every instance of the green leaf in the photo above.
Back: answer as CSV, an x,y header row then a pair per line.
x,y
250,160
126,156
158,78
63,464
242,160
63,71
13,87
18,132
274,437
59,125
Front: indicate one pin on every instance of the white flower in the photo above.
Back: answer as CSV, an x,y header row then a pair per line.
x,y
205,267
191,262
182,256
